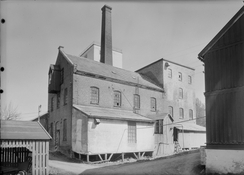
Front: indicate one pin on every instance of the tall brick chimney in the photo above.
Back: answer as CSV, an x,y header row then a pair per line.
x,y
106,38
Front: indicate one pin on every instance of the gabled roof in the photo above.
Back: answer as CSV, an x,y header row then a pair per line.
x,y
23,130
160,116
108,113
84,66
233,20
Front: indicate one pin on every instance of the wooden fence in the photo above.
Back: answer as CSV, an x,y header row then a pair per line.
x,y
15,152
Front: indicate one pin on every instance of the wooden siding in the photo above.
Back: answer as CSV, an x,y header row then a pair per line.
x,y
224,81
224,63
225,117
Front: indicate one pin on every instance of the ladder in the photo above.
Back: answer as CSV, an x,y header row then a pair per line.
x,y
177,147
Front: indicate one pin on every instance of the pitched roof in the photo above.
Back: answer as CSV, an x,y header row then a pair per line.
x,y
23,130
233,20
100,70
188,126
159,116
108,113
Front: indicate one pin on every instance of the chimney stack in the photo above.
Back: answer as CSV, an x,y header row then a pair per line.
x,y
106,38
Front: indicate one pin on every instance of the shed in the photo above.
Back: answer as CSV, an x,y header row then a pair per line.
x,y
24,146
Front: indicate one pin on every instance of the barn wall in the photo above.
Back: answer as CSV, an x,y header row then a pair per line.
x,y
224,77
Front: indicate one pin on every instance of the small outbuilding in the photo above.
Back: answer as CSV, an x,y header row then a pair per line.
x,y
24,146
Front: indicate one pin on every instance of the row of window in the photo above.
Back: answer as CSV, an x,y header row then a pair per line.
x,y
117,99
181,113
179,76
58,99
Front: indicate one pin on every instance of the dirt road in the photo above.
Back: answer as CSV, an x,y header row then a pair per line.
x,y
188,163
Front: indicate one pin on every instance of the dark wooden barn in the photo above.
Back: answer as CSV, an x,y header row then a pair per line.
x,y
223,58
24,147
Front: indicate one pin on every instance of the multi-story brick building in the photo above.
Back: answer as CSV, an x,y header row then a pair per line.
x,y
98,110
177,81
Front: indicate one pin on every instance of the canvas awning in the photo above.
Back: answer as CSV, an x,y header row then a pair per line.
x,y
108,113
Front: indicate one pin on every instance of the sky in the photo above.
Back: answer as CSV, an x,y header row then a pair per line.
x,y
145,31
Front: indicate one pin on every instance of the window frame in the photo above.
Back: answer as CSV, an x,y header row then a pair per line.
x,y
65,130
180,76
136,101
169,73
190,114
62,76
65,96
170,108
132,134
117,101
189,79
52,104
94,97
153,104
181,96
181,113
159,127
58,100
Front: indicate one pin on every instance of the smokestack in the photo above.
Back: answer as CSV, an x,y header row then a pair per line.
x,y
106,38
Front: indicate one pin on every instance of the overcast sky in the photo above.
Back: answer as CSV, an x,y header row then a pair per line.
x,y
145,31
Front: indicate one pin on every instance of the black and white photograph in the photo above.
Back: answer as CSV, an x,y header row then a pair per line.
x,y
122,87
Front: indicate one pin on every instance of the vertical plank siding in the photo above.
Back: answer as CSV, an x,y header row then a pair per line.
x,y
225,117
15,152
224,85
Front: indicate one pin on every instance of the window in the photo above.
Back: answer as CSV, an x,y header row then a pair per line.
x,y
171,111
190,114
180,93
169,73
180,76
65,130
153,104
158,127
136,101
58,100
181,113
62,75
65,96
117,98
51,130
94,95
131,132
189,79
52,101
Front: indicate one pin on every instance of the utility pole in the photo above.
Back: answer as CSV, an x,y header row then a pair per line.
x,y
39,111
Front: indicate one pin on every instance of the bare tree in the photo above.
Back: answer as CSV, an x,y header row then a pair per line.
x,y
9,112
200,113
